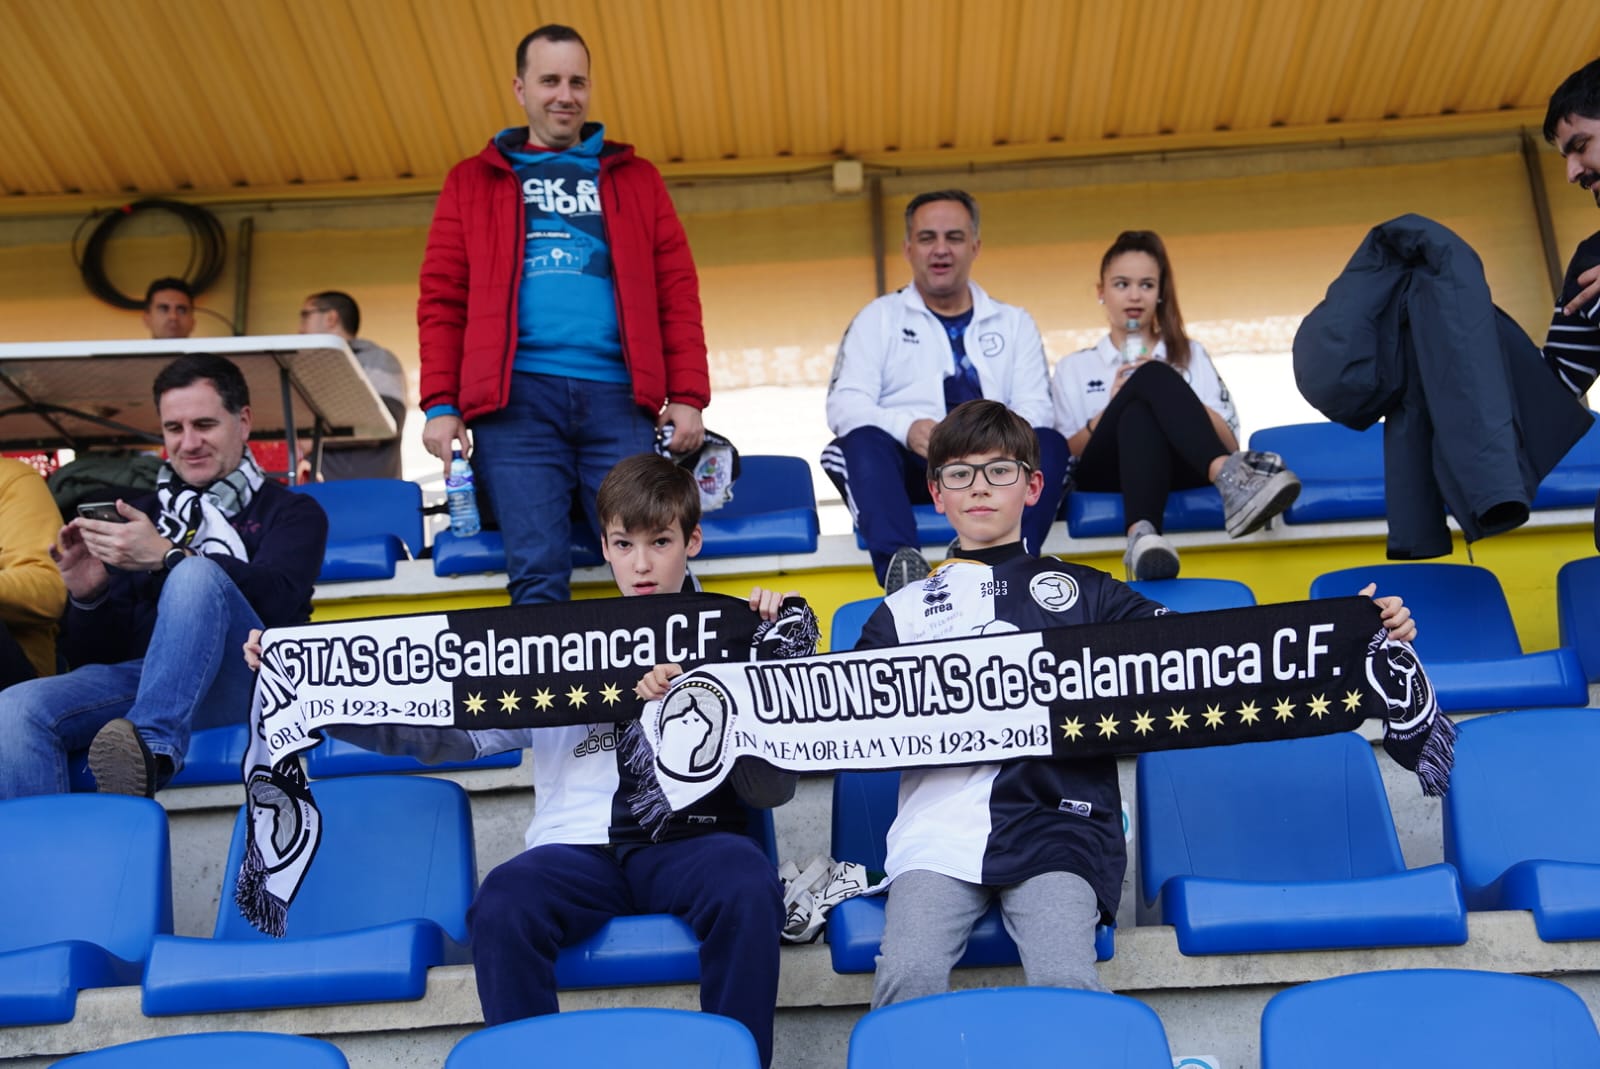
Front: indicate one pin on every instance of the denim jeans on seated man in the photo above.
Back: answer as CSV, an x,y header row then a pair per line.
x,y
555,435
193,677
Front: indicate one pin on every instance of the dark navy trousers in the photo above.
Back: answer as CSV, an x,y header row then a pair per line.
x,y
722,885
881,479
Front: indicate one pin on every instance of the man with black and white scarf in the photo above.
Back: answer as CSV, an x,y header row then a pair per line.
x,y
162,596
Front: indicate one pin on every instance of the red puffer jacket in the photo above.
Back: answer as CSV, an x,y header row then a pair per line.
x,y
471,271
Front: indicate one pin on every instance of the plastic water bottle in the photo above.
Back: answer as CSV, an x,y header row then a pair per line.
x,y
1132,342
462,497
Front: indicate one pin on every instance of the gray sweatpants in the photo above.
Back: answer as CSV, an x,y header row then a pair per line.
x,y
1051,917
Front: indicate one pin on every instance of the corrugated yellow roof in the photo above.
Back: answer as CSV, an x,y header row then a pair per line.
x,y
105,99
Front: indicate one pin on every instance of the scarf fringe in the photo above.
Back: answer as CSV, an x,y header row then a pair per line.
x,y
264,910
1438,757
648,802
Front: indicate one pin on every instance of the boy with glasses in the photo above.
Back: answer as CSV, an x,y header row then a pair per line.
x,y
1044,836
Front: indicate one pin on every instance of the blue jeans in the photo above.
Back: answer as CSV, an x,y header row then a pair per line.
x,y
552,896
192,676
554,436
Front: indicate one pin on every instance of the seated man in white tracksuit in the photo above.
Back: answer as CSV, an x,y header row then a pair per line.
x,y
911,356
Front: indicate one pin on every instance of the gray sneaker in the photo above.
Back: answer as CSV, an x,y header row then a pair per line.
x,y
907,566
1255,487
1149,555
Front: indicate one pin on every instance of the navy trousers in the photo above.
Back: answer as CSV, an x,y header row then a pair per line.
x,y
720,883
881,479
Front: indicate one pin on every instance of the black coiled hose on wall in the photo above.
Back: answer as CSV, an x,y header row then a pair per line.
x,y
208,245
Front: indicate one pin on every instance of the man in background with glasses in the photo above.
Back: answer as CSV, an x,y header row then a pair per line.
x,y
912,356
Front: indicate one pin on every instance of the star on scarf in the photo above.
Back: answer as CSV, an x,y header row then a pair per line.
x,y
1072,729
1248,713
1108,726
475,703
543,698
1319,706
1179,720
509,700
1142,723
576,696
1284,710
1214,715
611,694
1352,701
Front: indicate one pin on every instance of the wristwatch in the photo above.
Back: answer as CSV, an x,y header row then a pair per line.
x,y
173,558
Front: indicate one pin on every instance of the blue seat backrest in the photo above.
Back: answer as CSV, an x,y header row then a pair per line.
x,y
633,1036
236,1050
1016,1027
393,848
768,483
845,630
1451,1017
1578,612
1461,611
864,805
1299,809
364,508
90,867
1325,451
1522,789
1573,481
1196,595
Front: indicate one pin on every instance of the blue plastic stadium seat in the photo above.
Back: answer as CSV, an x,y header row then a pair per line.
x,y
1572,483
86,887
933,528
372,525
336,757
647,948
1466,637
1016,1027
662,1039
1284,846
1092,514
1340,470
864,805
1444,1017
206,1050
773,510
1578,612
1520,817
486,552
215,756
848,619
1196,595
385,899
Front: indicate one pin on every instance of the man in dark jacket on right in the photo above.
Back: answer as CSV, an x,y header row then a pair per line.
x,y
559,315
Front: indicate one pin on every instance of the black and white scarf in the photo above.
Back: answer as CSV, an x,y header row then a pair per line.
x,y
1168,682
197,519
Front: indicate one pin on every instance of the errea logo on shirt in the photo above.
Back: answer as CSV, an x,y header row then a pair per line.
x,y
1076,808
909,336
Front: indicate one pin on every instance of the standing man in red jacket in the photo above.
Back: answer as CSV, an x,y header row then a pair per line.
x,y
559,315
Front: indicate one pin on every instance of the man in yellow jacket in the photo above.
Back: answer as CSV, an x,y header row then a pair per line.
x,y
32,595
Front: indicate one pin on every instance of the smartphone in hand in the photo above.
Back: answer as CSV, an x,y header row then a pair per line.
x,y
101,510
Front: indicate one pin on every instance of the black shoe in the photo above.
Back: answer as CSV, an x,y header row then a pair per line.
x,y
121,762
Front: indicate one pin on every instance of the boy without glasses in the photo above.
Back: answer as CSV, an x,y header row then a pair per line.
x,y
587,858
1042,835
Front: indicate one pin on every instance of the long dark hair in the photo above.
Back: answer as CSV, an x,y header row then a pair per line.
x,y
1169,318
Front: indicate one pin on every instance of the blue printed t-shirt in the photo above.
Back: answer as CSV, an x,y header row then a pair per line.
x,y
963,384
567,306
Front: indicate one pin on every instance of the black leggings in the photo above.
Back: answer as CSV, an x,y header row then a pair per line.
x,y
1153,437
